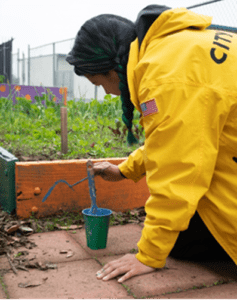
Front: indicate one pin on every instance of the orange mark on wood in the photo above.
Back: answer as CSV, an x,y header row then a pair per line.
x,y
34,209
2,88
117,196
37,191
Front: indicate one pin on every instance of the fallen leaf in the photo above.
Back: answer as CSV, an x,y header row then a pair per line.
x,y
75,227
51,266
25,229
22,268
28,284
70,253
16,239
72,227
133,221
12,229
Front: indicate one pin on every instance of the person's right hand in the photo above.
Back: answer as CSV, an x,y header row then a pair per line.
x,y
107,171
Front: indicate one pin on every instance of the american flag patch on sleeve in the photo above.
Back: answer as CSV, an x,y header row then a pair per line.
x,y
149,107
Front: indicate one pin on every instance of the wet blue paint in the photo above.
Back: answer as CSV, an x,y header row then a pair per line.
x,y
63,181
101,212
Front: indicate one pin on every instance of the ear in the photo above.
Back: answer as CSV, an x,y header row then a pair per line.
x,y
112,73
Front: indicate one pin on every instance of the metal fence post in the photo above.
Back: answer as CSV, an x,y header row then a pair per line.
x,y
4,62
11,63
54,75
23,68
18,66
28,64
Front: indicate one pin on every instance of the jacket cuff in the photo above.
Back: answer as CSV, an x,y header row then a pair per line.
x,y
149,261
123,168
122,174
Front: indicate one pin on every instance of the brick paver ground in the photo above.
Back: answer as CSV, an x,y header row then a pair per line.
x,y
222,291
75,277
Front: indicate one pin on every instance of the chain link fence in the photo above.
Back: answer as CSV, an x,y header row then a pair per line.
x,y
222,11
45,65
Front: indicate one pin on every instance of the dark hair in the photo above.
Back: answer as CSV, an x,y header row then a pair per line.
x,y
102,44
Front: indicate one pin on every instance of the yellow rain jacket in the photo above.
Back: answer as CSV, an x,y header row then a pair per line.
x,y
182,79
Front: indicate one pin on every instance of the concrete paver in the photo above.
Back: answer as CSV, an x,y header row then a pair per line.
x,y
49,244
75,277
180,276
225,268
121,239
4,264
71,280
222,291
2,293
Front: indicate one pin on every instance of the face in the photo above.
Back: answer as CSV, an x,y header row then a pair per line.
x,y
109,82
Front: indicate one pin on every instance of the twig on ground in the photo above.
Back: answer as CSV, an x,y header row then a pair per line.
x,y
11,264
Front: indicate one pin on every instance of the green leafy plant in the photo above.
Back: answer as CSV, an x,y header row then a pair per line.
x,y
2,78
95,129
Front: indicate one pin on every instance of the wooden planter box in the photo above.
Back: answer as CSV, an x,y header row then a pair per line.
x,y
34,179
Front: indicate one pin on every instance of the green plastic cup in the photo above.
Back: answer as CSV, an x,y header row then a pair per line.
x,y
97,227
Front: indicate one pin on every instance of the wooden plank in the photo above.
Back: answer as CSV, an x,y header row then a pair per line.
x,y
34,179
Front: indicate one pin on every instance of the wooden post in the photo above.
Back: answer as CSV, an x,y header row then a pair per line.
x,y
64,147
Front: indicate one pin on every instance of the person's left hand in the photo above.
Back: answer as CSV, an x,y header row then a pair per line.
x,y
128,265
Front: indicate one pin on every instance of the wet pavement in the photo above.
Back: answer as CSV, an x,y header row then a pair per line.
x,y
62,266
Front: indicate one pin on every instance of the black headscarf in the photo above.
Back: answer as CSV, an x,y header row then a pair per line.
x,y
102,44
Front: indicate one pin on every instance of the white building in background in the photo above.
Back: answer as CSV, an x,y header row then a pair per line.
x,y
41,70
42,73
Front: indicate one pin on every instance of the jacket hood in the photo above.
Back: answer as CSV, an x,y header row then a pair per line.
x,y
145,19
155,21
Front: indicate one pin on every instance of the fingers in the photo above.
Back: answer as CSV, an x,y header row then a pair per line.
x,y
116,268
126,276
107,171
107,270
99,168
128,265
111,273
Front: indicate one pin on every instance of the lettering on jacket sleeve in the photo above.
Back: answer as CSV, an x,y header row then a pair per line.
x,y
221,42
